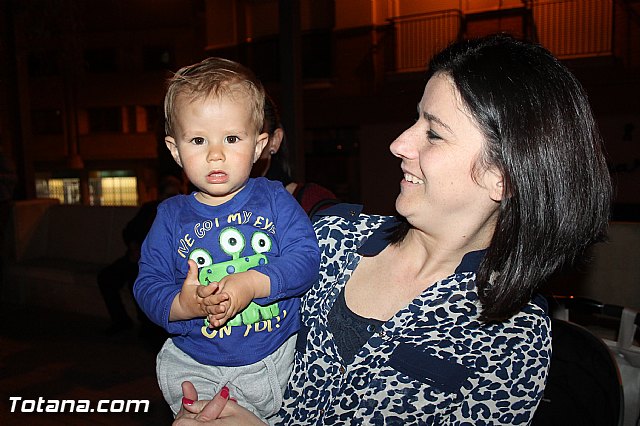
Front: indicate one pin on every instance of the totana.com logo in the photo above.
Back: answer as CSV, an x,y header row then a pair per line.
x,y
41,405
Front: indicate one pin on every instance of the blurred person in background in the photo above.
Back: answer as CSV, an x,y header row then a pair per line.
x,y
274,165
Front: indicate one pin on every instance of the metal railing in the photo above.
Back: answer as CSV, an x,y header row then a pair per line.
x,y
418,37
575,28
568,28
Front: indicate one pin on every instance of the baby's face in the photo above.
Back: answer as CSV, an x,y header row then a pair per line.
x,y
216,144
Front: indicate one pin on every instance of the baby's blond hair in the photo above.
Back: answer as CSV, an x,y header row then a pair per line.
x,y
213,77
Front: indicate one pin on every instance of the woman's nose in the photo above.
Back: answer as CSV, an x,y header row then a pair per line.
x,y
403,146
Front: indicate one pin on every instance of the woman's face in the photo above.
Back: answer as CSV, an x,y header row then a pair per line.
x,y
438,153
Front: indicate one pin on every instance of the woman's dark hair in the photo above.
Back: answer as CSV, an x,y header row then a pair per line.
x,y
279,168
540,133
271,116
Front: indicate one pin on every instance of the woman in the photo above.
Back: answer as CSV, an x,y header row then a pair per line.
x,y
273,164
432,318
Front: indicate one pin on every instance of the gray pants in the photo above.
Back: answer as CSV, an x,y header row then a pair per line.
x,y
258,387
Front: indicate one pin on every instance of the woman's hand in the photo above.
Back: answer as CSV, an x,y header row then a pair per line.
x,y
218,411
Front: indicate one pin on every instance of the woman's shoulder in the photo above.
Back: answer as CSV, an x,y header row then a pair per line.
x,y
348,219
525,335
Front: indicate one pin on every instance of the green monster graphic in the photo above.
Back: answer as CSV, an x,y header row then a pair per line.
x,y
232,243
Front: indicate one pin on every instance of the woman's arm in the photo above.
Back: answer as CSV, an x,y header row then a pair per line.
x,y
509,390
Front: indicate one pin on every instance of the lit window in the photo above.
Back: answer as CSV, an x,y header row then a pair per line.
x,y
106,188
113,188
67,190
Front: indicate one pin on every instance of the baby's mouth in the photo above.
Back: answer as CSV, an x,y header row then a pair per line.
x,y
217,176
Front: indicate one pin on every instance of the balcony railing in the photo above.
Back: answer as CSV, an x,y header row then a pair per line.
x,y
575,28
568,28
418,37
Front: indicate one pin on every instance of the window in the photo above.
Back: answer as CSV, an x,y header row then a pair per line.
x,y
105,119
67,190
140,118
113,188
157,59
47,122
265,59
100,61
154,118
316,55
106,188
43,64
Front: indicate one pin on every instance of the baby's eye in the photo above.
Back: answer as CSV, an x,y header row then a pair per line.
x,y
198,141
231,139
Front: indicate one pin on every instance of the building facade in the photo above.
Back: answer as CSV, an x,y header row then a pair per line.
x,y
82,102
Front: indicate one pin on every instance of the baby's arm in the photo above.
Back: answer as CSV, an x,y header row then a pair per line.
x,y
295,267
162,291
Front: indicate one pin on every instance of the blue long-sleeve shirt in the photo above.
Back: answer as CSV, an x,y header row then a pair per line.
x,y
263,228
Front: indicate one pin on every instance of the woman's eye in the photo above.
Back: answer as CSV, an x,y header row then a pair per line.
x,y
431,135
231,139
198,141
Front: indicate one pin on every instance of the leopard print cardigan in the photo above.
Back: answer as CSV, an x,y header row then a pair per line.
x,y
433,363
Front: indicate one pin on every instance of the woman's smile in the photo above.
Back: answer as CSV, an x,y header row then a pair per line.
x,y
413,179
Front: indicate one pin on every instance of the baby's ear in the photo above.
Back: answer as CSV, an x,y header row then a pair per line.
x,y
261,142
172,145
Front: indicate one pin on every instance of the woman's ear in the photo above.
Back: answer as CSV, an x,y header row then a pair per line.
x,y
498,192
275,140
172,145
494,182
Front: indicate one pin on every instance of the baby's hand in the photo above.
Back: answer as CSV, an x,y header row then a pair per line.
x,y
216,307
188,303
236,292
205,291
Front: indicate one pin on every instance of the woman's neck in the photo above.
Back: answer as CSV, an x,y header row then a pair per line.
x,y
426,259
